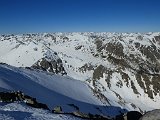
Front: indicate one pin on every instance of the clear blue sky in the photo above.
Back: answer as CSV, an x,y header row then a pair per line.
x,y
32,16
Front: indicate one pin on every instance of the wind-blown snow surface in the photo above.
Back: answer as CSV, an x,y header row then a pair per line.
x,y
17,111
53,90
123,67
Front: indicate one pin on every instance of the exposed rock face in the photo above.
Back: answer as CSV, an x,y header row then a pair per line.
x,y
135,62
19,96
11,96
51,63
132,115
33,102
151,115
89,116
78,113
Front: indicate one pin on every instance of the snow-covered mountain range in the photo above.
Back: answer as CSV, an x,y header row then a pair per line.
x,y
95,69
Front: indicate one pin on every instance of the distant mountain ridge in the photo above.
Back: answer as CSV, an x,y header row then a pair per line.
x,y
122,69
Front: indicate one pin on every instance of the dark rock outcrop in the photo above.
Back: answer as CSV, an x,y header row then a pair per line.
x,y
131,115
11,96
19,96
89,116
53,65
33,102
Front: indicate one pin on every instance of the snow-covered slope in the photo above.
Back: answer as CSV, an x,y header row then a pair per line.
x,y
121,68
17,111
54,90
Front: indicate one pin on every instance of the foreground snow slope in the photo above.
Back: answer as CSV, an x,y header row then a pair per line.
x,y
53,90
17,111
